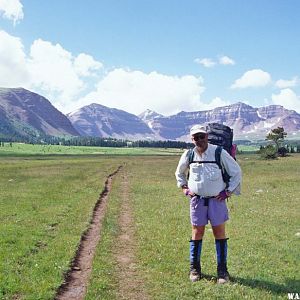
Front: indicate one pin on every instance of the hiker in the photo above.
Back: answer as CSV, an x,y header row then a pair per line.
x,y
208,192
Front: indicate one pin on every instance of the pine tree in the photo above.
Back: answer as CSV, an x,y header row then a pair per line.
x,y
276,135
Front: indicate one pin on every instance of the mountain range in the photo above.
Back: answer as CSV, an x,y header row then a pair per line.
x,y
24,114
247,122
102,121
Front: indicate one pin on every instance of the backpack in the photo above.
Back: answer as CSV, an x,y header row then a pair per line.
x,y
222,136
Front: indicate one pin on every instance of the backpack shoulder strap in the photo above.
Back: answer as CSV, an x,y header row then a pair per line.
x,y
218,156
225,175
190,155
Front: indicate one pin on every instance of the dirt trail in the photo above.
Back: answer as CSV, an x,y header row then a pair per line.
x,y
77,279
131,286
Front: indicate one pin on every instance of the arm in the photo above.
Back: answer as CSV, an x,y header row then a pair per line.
x,y
181,170
234,170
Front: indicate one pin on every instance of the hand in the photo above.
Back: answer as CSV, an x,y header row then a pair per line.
x,y
187,192
228,193
223,195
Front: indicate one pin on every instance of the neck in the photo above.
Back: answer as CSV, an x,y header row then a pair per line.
x,y
202,149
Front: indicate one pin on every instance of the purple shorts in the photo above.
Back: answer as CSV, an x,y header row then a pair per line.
x,y
216,211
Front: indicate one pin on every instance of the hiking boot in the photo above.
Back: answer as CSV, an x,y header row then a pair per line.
x,y
223,275
195,266
195,275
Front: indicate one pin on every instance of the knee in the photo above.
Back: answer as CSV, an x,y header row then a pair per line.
x,y
220,236
198,232
219,233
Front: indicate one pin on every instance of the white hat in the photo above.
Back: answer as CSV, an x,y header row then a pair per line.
x,y
197,128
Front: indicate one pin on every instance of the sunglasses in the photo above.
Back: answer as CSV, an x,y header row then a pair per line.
x,y
199,136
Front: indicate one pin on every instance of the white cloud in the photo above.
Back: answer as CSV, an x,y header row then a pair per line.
x,y
209,63
225,60
216,102
281,83
49,70
288,99
206,62
135,91
59,74
63,78
55,73
12,10
85,65
13,68
252,78
52,70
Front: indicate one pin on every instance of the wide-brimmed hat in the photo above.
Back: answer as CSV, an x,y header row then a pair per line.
x,y
197,129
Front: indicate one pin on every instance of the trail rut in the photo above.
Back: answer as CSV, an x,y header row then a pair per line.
x,y
76,280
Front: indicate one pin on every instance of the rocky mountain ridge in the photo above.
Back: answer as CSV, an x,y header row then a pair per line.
x,y
23,113
102,121
246,121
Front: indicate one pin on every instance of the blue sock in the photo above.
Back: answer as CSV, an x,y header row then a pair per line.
x,y
221,250
195,252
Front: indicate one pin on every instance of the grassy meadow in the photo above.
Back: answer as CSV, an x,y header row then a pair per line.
x,y
45,206
263,229
46,203
22,149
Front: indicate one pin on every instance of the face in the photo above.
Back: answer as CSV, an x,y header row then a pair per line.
x,y
200,139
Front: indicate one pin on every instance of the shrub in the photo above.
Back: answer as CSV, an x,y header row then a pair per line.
x,y
268,152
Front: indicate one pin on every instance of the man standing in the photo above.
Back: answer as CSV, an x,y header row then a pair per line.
x,y
207,191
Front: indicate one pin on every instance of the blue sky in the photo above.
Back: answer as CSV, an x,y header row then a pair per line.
x,y
167,56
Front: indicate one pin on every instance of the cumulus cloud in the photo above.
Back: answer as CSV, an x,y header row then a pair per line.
x,y
215,102
52,69
63,78
135,91
281,83
57,72
85,65
49,69
206,62
288,99
252,78
225,60
13,67
12,10
209,63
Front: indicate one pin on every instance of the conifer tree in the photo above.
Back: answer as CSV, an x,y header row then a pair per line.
x,y
276,135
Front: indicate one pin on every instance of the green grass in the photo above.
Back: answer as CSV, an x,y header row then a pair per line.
x,y
21,149
263,246
103,282
248,148
46,203
45,206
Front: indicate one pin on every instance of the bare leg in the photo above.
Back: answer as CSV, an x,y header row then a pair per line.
x,y
197,232
219,231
